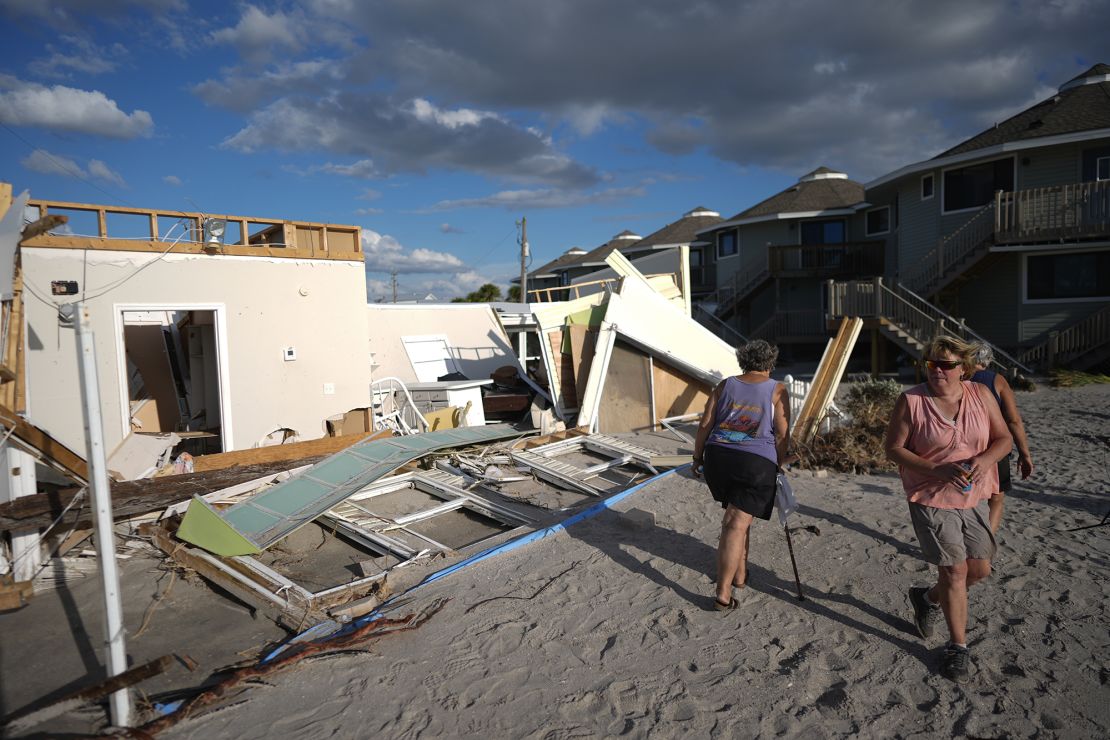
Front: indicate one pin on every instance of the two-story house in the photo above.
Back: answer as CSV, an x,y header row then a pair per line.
x,y
771,260
1004,237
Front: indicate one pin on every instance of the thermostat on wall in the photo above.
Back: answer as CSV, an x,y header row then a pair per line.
x,y
289,354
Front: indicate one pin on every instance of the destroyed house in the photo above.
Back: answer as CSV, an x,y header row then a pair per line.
x,y
226,328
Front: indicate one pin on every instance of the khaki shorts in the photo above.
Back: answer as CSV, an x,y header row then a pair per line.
x,y
951,536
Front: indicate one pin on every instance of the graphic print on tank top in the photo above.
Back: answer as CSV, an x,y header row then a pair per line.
x,y
740,423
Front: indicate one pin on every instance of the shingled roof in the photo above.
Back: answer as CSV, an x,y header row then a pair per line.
x,y
821,190
682,231
546,270
598,254
1082,104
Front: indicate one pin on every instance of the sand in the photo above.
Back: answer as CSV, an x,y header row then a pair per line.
x,y
604,629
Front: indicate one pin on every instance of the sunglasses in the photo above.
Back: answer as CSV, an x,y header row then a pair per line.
x,y
943,364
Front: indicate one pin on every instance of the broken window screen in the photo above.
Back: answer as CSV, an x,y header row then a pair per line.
x,y
430,356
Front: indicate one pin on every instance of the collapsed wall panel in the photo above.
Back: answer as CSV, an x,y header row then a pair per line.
x,y
677,393
626,405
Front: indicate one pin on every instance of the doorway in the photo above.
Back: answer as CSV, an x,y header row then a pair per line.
x,y
173,374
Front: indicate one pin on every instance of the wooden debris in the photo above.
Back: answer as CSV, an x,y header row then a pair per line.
x,y
825,382
294,452
14,594
53,452
29,717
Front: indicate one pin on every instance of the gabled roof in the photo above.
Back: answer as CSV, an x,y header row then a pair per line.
x,y
1082,104
821,190
680,232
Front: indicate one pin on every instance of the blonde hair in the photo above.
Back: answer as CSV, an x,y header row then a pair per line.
x,y
953,346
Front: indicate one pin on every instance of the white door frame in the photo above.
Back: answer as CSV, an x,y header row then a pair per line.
x,y
219,313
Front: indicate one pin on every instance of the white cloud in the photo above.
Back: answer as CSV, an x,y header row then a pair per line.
x,y
364,169
76,54
68,109
101,171
172,180
406,137
542,198
368,211
369,194
429,113
48,163
257,34
449,229
243,91
383,253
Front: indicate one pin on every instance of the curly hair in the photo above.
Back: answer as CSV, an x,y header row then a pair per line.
x,y
942,344
982,354
757,355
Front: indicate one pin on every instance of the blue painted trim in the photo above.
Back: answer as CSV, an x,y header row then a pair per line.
x,y
539,534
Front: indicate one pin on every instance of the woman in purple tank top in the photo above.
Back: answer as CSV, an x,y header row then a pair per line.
x,y
741,440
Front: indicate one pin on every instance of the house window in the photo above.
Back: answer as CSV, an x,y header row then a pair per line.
x,y
1068,277
564,278
927,187
726,244
974,186
1102,168
878,221
823,232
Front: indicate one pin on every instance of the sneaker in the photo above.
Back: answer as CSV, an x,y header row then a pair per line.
x,y
925,612
954,663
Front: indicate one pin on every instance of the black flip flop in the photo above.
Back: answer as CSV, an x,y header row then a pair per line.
x,y
732,604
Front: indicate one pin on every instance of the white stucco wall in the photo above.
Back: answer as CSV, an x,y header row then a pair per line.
x,y
474,334
264,305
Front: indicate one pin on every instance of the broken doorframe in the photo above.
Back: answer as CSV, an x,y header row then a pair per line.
x,y
219,316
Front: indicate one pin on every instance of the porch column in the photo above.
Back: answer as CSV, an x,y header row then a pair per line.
x,y
16,480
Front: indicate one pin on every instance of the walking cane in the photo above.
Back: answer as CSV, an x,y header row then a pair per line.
x,y
790,547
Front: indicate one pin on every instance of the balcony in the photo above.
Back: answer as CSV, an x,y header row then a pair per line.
x,y
850,259
1063,212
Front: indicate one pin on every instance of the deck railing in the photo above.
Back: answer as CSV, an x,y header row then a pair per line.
x,y
1066,345
971,235
908,311
574,290
861,259
1077,211
140,229
792,325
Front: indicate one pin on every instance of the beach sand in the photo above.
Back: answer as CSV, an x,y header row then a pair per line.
x,y
605,629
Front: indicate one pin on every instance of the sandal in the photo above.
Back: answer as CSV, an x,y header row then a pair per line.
x,y
721,607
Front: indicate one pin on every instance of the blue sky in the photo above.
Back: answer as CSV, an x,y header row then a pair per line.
x,y
436,124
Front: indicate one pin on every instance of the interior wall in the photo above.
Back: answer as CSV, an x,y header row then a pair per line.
x,y
626,403
478,342
676,393
317,307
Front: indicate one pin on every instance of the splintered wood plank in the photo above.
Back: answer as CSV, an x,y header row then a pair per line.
x,y
66,459
275,453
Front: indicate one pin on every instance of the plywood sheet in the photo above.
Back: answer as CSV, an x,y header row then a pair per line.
x,y
677,393
147,350
565,369
626,402
583,340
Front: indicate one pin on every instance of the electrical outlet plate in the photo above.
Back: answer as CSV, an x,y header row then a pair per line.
x,y
289,354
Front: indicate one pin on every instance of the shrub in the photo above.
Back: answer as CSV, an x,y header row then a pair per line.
x,y
856,447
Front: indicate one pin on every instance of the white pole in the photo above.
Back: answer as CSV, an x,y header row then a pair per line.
x,y
101,496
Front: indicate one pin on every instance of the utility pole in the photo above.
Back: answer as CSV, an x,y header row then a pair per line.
x,y
523,259
393,279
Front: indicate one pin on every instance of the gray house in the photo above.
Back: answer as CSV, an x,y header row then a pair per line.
x,y
1005,236
772,260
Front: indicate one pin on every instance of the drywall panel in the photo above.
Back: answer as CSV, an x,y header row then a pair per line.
x,y
677,393
316,307
626,403
477,342
146,348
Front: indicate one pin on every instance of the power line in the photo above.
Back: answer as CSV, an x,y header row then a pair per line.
x,y
63,168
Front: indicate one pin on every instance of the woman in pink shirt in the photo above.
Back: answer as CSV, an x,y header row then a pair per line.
x,y
947,436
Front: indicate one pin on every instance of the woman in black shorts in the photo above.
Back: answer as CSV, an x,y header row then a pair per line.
x,y
742,437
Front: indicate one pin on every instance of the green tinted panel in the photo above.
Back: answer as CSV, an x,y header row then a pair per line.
x,y
251,520
288,498
337,470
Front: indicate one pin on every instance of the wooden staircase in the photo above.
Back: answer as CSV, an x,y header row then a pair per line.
x,y
742,285
906,318
1081,346
955,254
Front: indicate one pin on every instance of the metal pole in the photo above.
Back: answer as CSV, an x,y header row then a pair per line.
x,y
790,547
523,259
120,701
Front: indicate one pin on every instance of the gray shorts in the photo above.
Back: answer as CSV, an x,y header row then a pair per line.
x,y
951,536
